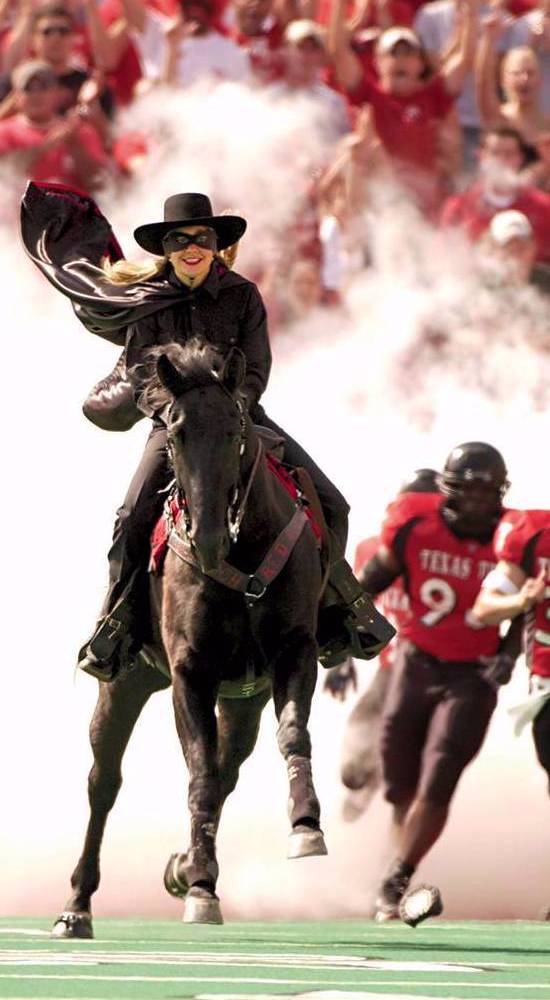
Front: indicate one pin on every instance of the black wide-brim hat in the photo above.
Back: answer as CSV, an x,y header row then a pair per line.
x,y
189,210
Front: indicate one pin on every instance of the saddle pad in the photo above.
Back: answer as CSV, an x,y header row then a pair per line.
x,y
159,536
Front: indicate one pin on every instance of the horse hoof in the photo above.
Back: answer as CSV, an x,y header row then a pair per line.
x,y
73,925
202,910
306,844
175,881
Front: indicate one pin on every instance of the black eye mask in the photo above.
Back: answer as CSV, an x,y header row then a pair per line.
x,y
176,240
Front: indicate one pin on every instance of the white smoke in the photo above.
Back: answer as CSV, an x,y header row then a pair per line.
x,y
419,358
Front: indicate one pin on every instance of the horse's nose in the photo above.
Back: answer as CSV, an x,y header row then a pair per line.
x,y
210,549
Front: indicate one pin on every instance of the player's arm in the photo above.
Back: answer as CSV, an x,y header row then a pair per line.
x,y
380,571
507,592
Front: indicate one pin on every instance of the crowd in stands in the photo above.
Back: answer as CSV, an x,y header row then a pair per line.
x,y
447,102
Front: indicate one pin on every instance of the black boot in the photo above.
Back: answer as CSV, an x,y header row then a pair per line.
x,y
110,649
349,623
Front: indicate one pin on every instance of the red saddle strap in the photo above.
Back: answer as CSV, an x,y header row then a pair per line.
x,y
253,585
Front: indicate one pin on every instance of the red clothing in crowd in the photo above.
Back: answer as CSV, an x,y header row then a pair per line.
x,y
401,12
520,7
473,213
408,127
527,544
124,77
444,574
264,50
18,135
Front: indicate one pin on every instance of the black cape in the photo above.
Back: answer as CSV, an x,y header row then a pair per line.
x,y
66,235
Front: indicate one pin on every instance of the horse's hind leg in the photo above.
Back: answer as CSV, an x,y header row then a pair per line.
x,y
118,707
238,727
294,677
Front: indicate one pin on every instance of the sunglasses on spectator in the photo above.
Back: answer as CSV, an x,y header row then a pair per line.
x,y
55,29
176,240
309,44
39,83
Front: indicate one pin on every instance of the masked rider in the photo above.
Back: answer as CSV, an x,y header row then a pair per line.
x,y
187,291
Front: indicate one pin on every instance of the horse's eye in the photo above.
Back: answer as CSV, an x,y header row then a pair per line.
x,y
176,427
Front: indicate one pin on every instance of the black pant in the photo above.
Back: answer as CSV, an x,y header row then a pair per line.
x,y
541,736
143,505
436,716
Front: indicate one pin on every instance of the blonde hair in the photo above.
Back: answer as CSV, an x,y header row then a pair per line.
x,y
128,272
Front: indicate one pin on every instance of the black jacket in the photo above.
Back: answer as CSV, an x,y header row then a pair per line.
x,y
225,310
66,236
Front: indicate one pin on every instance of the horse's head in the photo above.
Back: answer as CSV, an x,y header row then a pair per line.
x,y
206,438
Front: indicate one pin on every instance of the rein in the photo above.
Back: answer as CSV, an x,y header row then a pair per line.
x,y
252,585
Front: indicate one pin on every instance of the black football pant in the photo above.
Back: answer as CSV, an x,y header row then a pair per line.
x,y
541,737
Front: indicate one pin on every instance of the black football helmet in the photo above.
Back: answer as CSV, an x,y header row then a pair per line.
x,y
474,480
421,481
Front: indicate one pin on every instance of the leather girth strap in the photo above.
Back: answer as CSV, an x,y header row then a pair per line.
x,y
253,585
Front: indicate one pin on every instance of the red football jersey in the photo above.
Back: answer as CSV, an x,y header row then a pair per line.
x,y
443,575
527,544
393,602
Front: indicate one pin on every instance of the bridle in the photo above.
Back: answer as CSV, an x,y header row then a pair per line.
x,y
252,586
236,508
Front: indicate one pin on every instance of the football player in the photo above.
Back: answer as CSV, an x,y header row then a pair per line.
x,y
518,585
443,686
361,767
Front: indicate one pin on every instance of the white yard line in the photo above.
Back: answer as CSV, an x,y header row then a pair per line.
x,y
315,963
67,978
332,963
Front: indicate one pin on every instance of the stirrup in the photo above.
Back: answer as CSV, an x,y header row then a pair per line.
x,y
109,652
364,632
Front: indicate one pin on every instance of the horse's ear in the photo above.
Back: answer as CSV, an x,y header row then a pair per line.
x,y
169,376
234,369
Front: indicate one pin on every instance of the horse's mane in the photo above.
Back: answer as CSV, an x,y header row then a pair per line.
x,y
198,360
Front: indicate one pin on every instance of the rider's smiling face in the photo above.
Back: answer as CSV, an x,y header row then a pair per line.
x,y
192,262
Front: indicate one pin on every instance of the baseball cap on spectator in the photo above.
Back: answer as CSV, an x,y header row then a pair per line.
x,y
304,29
29,70
392,36
510,225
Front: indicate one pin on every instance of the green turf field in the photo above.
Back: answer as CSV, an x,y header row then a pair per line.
x,y
334,961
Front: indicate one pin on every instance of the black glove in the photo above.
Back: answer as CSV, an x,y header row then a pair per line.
x,y
498,669
340,678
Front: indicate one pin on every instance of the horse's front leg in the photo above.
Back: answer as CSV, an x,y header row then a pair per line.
x,y
194,695
294,677
118,707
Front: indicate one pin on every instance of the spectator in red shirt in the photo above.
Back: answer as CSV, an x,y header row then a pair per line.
x,y
511,247
50,148
53,40
100,39
259,30
196,49
500,186
408,110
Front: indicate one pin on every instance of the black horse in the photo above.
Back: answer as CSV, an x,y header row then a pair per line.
x,y
228,634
